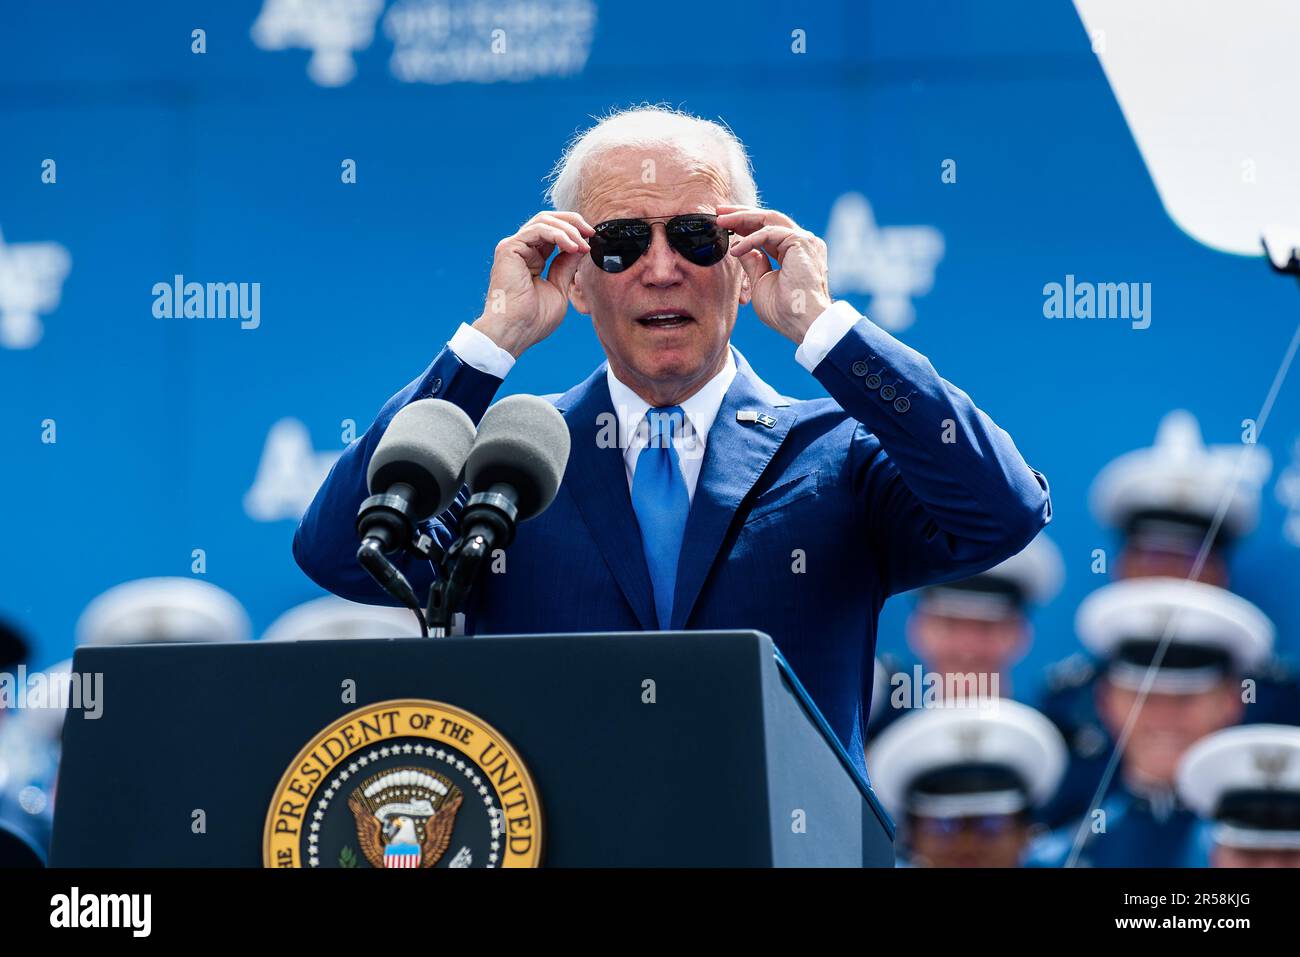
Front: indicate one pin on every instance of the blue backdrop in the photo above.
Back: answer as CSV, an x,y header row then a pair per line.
x,y
225,166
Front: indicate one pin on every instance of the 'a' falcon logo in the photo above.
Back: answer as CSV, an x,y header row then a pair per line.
x,y
969,737
1271,763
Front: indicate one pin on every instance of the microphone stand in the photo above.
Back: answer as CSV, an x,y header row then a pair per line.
x,y
489,523
385,519
371,557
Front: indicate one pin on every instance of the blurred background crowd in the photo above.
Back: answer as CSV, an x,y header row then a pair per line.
x,y
1170,738
357,160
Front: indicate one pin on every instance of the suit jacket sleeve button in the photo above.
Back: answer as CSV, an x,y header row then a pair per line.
x,y
902,404
860,368
888,392
872,381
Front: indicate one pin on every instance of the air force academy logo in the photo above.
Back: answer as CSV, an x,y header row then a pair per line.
x,y
31,282
892,264
434,41
288,475
407,784
332,29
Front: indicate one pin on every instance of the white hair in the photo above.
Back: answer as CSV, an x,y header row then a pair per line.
x,y
652,126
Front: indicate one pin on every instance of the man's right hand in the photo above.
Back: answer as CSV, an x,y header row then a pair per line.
x,y
522,308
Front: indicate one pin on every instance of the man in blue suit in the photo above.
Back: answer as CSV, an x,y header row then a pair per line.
x,y
695,496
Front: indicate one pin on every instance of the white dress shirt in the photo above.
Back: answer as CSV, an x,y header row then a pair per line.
x,y
689,438
476,349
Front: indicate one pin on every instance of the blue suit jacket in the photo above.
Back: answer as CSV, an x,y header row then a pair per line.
x,y
800,529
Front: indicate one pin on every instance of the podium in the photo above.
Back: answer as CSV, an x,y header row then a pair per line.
x,y
632,750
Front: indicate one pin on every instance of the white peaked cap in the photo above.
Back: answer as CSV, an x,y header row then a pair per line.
x,y
1247,757
163,609
331,617
1262,760
1037,570
998,732
1032,576
1179,473
1198,614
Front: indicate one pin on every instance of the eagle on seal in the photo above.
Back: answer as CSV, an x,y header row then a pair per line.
x,y
397,842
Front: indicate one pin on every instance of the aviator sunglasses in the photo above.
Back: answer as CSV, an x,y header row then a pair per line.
x,y
696,237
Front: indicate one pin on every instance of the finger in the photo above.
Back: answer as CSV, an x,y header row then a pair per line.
x,y
545,235
756,266
517,248
567,230
570,229
563,268
770,239
747,219
534,244
584,227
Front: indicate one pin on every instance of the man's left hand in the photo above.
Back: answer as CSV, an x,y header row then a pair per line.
x,y
791,296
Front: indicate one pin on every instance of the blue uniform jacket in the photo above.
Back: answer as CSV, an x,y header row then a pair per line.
x,y
1138,833
802,523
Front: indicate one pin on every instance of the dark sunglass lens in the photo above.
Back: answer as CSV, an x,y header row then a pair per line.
x,y
698,239
616,246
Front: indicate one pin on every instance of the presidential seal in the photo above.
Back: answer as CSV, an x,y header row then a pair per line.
x,y
405,784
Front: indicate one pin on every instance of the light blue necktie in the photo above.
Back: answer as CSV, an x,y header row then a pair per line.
x,y
661,503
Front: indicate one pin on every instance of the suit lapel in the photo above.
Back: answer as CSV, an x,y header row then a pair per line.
x,y
735,455
597,478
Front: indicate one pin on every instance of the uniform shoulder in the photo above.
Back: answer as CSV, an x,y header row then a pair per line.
x,y
1068,674
1275,669
1051,849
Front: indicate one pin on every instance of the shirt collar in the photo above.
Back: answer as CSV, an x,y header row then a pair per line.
x,y
700,409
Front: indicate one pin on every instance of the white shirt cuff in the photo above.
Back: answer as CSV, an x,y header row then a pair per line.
x,y
825,333
478,350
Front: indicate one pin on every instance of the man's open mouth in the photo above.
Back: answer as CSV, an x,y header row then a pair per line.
x,y
665,319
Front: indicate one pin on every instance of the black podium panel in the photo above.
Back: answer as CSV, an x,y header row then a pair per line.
x,y
646,749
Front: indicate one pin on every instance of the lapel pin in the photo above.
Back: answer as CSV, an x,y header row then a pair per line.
x,y
762,418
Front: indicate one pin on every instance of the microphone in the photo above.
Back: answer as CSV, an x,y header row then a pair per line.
x,y
518,459
414,474
513,471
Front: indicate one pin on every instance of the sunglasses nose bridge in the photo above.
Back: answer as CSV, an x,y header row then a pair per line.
x,y
660,258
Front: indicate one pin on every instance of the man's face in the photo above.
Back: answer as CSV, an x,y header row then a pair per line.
x,y
951,645
664,362
1167,725
1136,562
1224,856
997,840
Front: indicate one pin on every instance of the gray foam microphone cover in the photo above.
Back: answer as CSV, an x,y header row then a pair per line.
x,y
425,445
522,440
